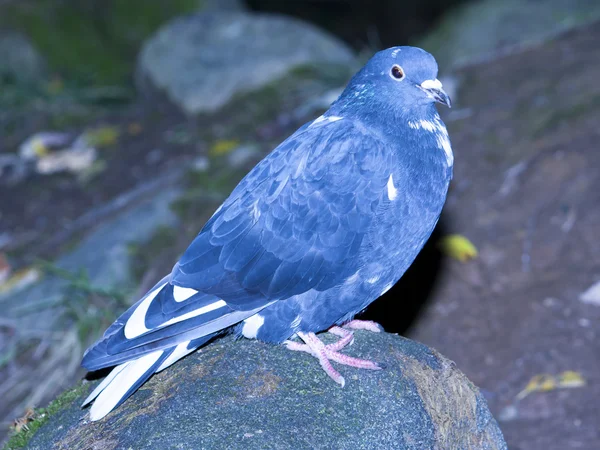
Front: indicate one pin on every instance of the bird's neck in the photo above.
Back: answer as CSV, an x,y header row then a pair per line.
x,y
418,129
377,114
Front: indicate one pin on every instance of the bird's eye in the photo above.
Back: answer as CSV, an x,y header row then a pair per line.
x,y
397,72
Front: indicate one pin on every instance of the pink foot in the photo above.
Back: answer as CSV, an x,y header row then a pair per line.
x,y
347,337
327,353
368,325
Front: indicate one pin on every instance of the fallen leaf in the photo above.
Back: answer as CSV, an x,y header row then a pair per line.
x,y
39,148
458,247
591,295
224,146
546,382
570,379
74,160
40,144
98,137
19,280
22,423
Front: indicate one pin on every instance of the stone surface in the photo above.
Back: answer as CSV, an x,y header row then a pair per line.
x,y
223,5
110,266
19,59
202,61
478,30
250,395
39,313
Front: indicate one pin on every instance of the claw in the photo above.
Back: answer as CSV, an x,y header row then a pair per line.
x,y
327,353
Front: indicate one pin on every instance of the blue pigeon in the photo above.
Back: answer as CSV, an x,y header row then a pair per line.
x,y
319,229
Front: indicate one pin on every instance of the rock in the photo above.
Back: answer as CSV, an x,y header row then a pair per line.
x,y
223,5
592,295
13,169
476,30
202,61
246,394
19,60
114,30
74,160
40,309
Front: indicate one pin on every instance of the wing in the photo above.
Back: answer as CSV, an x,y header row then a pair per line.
x,y
295,223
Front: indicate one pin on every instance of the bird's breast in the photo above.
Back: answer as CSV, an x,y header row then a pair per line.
x,y
406,216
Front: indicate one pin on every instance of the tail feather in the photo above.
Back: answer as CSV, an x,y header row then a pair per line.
x,y
166,324
127,379
111,376
101,355
179,352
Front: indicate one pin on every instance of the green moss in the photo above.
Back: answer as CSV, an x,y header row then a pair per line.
x,y
20,439
95,41
140,18
288,93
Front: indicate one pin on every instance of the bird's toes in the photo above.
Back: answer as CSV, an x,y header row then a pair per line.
x,y
297,347
367,325
348,339
352,362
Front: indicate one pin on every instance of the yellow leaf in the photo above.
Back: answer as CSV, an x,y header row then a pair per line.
x,y
549,383
545,383
570,379
19,280
39,147
102,136
458,247
223,146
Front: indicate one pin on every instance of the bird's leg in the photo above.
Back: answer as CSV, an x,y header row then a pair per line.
x,y
318,350
325,353
347,336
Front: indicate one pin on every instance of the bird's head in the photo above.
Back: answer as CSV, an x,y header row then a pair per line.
x,y
400,77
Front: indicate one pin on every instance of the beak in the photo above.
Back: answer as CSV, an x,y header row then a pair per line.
x,y
433,88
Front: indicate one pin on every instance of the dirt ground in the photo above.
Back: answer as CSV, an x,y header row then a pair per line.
x,y
526,192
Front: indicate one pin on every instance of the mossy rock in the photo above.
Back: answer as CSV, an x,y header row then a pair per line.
x,y
246,394
93,40
42,415
201,62
476,30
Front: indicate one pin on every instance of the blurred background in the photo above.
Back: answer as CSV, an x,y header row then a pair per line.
x,y
124,124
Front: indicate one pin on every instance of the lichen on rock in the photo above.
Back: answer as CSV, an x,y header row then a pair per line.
x,y
246,394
